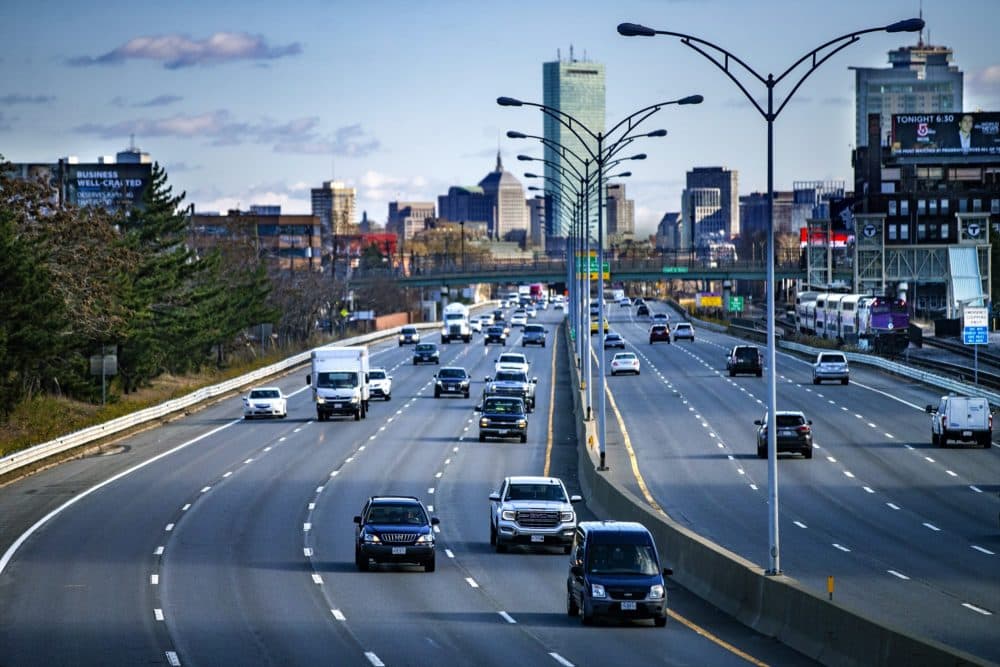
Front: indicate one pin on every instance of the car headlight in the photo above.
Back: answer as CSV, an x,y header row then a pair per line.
x,y
508,515
656,592
426,539
465,383
320,400
355,399
522,422
439,383
566,517
370,538
597,591
484,422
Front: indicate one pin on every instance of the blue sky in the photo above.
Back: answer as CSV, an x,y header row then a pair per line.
x,y
255,103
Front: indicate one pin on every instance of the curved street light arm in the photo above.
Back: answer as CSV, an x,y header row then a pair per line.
x,y
554,145
558,167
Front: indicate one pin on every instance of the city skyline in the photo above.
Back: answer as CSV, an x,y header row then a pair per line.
x,y
261,106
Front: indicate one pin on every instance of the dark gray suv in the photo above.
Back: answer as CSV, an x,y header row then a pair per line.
x,y
534,334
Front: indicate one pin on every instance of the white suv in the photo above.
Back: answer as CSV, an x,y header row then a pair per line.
x,y
534,511
380,384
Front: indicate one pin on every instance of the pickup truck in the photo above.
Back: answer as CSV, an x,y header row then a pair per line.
x,y
512,383
533,511
502,417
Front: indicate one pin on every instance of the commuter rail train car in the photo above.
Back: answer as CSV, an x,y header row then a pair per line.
x,y
877,323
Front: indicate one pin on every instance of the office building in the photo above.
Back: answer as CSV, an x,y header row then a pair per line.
x,y
409,217
575,87
620,211
920,79
536,222
702,209
498,200
465,203
335,203
670,231
726,221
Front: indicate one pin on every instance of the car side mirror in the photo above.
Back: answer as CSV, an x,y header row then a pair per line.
x,y
495,497
309,379
809,421
758,422
576,570
478,408
388,377
930,409
435,521
576,499
357,520
534,380
667,572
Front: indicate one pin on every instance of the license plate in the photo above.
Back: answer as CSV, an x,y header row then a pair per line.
x,y
338,405
451,387
502,431
537,538
785,432
399,551
966,434
628,605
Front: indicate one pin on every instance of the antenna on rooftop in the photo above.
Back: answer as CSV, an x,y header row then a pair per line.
x,y
920,39
571,53
131,142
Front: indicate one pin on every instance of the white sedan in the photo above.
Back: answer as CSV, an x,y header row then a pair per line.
x,y
476,324
265,402
625,362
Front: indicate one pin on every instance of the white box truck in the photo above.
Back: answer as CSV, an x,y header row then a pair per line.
x,y
963,419
456,323
339,380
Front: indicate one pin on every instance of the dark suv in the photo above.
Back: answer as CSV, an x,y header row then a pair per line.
x,y
794,434
745,359
495,334
451,380
502,417
614,570
394,529
534,334
426,353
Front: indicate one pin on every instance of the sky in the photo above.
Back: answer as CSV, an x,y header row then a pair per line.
x,y
257,102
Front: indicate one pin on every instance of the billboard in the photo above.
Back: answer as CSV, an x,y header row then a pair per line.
x,y
110,186
820,238
947,135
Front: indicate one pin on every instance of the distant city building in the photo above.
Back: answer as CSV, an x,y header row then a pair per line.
x,y
265,209
468,203
287,242
727,218
334,203
575,87
407,218
670,231
816,196
536,222
702,209
753,215
506,196
620,211
921,79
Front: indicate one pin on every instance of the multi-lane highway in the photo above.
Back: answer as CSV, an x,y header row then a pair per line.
x,y
908,531
214,541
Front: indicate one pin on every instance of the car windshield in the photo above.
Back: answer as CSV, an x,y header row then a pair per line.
x,y
510,359
265,393
683,326
337,380
534,328
510,376
622,559
409,330
495,330
425,347
376,375
659,329
452,373
503,407
552,492
746,353
408,514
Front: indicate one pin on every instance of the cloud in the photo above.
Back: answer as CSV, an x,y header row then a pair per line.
x,y
181,167
347,141
159,101
14,98
177,51
291,199
4,122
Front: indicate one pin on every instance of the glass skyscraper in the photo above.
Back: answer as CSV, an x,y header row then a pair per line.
x,y
575,87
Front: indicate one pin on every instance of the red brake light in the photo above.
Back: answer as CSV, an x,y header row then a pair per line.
x,y
804,428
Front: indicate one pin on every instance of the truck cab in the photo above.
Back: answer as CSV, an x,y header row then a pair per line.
x,y
340,381
456,324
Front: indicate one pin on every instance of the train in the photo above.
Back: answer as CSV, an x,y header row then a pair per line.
x,y
877,323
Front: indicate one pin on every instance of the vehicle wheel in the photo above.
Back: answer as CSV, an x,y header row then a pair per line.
x,y
524,437
414,362
360,561
845,381
482,438
760,373
660,621
524,345
388,397
732,373
247,417
987,441
430,565
357,415
815,380
612,374
466,394
501,547
437,394
650,341
543,343
808,453
571,608
585,618
568,549
493,535
935,440
284,415
761,453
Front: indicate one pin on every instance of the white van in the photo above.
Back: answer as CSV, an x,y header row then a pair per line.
x,y
963,419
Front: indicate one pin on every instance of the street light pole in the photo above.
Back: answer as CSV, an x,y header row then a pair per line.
x,y
816,57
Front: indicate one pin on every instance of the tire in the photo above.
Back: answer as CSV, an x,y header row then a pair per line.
x,y
761,453
360,561
437,394
567,549
247,417
660,621
815,380
466,394
524,437
987,441
357,415
935,439
571,608
501,548
543,343
760,373
482,438
430,565
585,618
808,453
388,397
732,373
493,535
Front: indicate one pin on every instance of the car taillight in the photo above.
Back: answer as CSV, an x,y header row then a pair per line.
x,y
991,421
804,428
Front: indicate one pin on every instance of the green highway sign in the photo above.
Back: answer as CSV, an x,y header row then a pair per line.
x,y
675,269
736,304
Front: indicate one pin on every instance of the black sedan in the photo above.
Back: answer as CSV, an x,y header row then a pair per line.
x,y
426,353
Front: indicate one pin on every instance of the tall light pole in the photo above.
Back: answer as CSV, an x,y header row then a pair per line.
x,y
606,149
813,59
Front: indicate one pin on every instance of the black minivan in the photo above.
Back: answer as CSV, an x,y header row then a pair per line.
x,y
614,571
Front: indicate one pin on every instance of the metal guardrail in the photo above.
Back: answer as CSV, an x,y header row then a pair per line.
x,y
39,452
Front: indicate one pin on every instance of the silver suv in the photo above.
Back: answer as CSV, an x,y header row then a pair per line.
x,y
831,366
534,511
512,383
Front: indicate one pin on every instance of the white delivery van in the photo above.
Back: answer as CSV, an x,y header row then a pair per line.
x,y
963,419
340,383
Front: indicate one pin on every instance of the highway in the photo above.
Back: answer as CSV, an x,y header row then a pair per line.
x,y
211,540
908,531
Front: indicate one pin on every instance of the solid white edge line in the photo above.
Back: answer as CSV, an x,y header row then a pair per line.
x,y
9,554
932,527
471,582
373,659
975,488
173,659
842,548
158,614
799,524
978,610
561,660
339,615
507,617
983,550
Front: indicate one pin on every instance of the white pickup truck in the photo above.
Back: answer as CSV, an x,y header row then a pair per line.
x,y
963,419
532,511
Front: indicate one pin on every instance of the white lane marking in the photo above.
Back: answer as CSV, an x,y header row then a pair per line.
x,y
339,615
721,446
849,474
248,461
897,574
227,475
334,473
910,447
448,553
307,552
889,435
842,548
361,448
317,579
985,551
373,659
975,488
186,507
507,617
978,610
930,459
206,489
168,527
895,507
800,524
561,660
868,489
319,489
952,473
158,552
831,459
173,659
472,582
438,475
454,449
348,459
307,526
430,490
753,486
312,506
296,430
154,579
158,614
858,416
447,461
932,527
872,425
730,457
430,508
372,437
741,471
437,529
